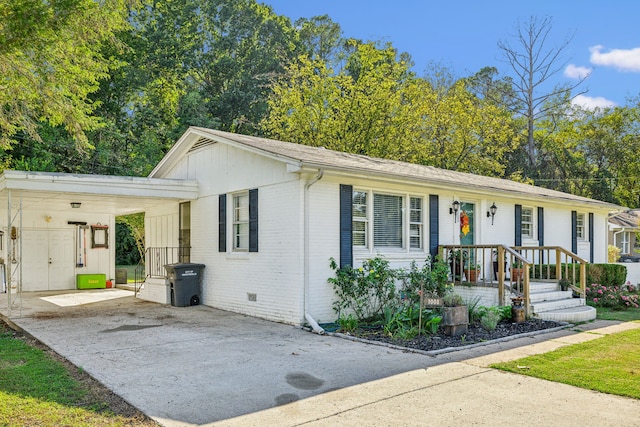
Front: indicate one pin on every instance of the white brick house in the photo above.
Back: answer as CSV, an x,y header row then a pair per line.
x,y
269,215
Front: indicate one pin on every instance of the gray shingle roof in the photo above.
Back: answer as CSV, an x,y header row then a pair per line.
x,y
627,219
329,159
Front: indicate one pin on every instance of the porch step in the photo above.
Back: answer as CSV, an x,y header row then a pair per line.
x,y
543,286
583,313
536,297
544,306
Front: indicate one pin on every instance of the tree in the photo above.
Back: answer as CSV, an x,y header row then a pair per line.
x,y
51,61
534,63
321,38
376,106
462,131
359,110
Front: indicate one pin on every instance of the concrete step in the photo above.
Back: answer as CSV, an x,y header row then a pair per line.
x,y
583,313
543,286
545,306
536,296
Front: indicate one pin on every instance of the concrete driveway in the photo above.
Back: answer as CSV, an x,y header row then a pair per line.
x,y
198,365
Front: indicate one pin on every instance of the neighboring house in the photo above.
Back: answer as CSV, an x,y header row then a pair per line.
x,y
269,215
623,227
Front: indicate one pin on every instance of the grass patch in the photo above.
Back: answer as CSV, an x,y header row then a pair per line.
x,y
609,364
37,389
627,315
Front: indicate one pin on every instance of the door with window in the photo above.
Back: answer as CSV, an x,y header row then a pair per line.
x,y
48,260
467,223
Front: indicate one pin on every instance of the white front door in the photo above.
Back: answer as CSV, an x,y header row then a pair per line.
x,y
48,260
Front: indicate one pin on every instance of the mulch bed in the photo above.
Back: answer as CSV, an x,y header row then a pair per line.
x,y
475,334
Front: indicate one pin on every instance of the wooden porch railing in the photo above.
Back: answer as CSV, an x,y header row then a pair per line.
x,y
554,263
478,265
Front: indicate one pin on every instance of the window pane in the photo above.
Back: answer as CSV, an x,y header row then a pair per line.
x,y
241,222
241,235
387,225
359,223
580,227
527,222
360,204
415,218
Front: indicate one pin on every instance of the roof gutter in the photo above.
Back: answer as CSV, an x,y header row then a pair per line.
x,y
307,249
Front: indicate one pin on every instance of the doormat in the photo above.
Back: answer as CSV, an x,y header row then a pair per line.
x,y
80,298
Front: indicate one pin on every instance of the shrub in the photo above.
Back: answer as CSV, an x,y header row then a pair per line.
x,y
611,297
613,253
490,320
404,320
606,274
430,279
348,323
363,291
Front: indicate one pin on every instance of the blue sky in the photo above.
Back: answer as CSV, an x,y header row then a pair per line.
x,y
463,35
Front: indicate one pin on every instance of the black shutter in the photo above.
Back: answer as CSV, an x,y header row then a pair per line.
x,y
540,226
434,225
222,223
591,237
346,219
518,221
253,220
574,232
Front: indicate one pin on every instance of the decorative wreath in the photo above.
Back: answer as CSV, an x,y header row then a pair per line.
x,y
464,223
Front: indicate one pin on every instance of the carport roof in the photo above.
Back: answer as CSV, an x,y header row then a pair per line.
x,y
118,195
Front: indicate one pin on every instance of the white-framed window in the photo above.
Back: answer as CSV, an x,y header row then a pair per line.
x,y
360,227
415,223
241,221
624,241
387,221
527,223
581,231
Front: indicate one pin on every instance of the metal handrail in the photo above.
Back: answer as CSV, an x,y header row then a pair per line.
x,y
155,258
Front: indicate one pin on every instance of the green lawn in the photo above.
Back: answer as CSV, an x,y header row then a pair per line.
x,y
37,390
609,364
627,315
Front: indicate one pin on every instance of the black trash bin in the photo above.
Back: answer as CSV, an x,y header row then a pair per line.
x,y
185,283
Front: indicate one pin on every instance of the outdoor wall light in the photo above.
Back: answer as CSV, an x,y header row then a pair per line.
x,y
75,205
453,210
492,211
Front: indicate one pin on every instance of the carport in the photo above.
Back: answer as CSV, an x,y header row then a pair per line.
x,y
56,226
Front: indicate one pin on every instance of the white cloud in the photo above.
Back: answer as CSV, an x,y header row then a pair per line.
x,y
575,72
591,103
622,59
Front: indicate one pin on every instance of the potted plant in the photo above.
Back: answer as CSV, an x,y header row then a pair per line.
x,y
455,315
496,265
457,259
473,272
516,271
564,284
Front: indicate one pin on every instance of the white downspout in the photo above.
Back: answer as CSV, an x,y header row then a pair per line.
x,y
307,248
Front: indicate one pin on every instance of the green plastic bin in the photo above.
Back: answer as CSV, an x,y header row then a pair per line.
x,y
91,281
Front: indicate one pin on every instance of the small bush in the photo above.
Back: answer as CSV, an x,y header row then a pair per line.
x,y
613,253
363,291
348,323
611,297
489,320
606,274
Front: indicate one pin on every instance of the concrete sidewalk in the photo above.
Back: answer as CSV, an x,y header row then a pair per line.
x,y
201,366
